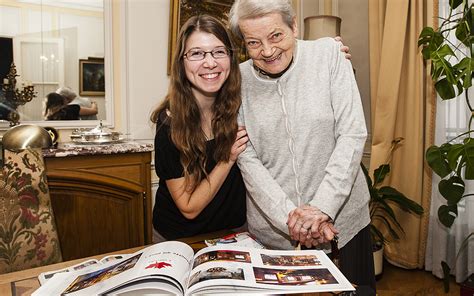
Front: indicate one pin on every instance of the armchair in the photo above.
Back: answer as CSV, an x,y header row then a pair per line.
x,y
28,235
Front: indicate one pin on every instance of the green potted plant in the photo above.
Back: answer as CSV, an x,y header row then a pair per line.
x,y
452,70
384,225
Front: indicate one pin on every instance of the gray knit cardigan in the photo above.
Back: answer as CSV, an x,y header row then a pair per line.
x,y
307,133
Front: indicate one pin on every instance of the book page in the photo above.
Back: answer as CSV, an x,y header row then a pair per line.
x,y
167,262
83,266
227,269
243,239
86,265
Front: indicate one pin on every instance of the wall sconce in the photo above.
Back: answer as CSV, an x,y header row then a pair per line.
x,y
12,97
321,26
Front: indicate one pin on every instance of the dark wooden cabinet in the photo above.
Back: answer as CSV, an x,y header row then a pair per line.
x,y
101,203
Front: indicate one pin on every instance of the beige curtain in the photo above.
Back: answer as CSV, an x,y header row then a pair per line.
x,y
402,105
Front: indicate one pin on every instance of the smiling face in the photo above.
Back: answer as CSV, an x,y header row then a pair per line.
x,y
209,74
270,41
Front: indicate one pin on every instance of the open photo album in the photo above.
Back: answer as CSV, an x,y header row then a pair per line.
x,y
173,268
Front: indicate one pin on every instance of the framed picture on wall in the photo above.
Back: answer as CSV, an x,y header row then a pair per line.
x,y
182,10
91,77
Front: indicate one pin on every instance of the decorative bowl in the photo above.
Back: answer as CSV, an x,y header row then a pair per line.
x,y
97,135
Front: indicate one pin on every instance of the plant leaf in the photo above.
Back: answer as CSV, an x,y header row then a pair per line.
x,y
442,67
366,174
462,32
384,207
468,158
460,87
426,35
391,230
455,3
443,52
431,40
435,156
465,68
445,89
401,200
376,234
436,70
452,189
454,153
380,173
447,214
446,273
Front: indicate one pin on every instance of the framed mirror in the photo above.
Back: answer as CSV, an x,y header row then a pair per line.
x,y
57,44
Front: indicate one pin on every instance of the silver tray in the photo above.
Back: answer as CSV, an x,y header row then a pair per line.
x,y
97,141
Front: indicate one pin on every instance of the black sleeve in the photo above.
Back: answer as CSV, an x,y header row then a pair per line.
x,y
167,162
72,112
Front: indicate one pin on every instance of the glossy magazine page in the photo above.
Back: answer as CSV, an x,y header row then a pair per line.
x,y
230,269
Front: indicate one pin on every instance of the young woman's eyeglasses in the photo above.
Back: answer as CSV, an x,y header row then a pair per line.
x,y
199,54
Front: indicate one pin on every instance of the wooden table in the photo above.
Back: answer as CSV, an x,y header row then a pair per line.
x,y
25,282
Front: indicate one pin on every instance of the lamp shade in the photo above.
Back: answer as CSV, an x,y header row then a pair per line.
x,y
321,26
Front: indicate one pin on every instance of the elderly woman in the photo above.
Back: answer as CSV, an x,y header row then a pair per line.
x,y
303,115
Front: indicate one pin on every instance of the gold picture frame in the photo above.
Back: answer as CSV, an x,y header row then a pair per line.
x,y
91,77
182,10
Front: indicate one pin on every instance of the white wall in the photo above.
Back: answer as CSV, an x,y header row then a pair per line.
x,y
144,62
143,67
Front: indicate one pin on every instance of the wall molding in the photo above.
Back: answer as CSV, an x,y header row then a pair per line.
x,y
124,62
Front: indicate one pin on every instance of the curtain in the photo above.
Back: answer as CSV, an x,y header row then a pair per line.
x,y
443,244
402,105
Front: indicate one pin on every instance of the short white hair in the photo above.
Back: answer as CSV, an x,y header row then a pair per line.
x,y
66,92
248,9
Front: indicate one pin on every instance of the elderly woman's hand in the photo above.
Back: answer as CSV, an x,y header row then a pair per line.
x,y
344,48
310,226
324,234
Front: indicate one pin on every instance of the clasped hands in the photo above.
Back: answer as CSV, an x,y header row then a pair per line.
x,y
310,226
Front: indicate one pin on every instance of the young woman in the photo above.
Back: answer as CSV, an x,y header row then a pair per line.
x,y
197,139
57,108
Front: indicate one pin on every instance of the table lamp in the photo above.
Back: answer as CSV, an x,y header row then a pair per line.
x,y
321,26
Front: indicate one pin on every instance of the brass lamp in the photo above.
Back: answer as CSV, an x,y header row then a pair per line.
x,y
321,26
26,136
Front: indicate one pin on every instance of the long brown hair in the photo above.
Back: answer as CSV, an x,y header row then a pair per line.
x,y
185,117
54,103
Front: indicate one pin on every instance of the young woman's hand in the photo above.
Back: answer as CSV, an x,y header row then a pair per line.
x,y
92,110
344,48
240,144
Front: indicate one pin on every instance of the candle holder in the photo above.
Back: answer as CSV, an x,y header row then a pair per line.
x,y
13,97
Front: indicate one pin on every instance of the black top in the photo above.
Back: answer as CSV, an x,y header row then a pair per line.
x,y
68,112
227,210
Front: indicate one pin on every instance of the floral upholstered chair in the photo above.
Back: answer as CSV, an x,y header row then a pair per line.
x,y
28,236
